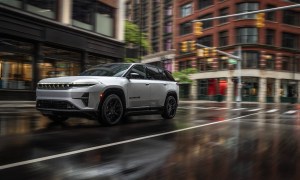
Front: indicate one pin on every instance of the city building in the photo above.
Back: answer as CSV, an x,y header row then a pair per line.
x,y
270,65
156,19
52,38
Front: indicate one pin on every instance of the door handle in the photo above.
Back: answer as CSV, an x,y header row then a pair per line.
x,y
165,84
147,84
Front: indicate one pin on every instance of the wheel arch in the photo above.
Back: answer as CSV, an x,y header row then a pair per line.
x,y
172,93
114,90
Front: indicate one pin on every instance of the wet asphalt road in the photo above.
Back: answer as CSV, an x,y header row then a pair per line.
x,y
203,141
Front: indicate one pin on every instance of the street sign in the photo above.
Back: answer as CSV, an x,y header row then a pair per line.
x,y
232,61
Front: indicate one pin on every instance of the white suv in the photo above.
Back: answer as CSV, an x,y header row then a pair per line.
x,y
108,92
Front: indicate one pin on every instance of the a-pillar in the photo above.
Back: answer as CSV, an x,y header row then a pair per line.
x,y
277,91
262,90
230,90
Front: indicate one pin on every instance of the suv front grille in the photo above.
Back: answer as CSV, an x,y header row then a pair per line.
x,y
54,86
50,104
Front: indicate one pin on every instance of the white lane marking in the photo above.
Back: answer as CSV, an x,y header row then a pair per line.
x,y
251,110
112,144
239,109
222,109
272,110
290,112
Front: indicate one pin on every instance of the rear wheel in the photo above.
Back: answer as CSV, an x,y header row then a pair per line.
x,y
111,110
57,118
170,107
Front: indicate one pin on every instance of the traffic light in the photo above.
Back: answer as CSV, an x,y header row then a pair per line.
x,y
260,20
192,45
198,28
184,46
206,52
200,52
214,51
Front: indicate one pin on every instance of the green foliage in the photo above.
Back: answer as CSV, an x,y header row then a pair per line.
x,y
183,76
131,60
134,36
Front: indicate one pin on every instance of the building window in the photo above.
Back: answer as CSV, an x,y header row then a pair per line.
x,y
94,16
206,41
250,59
168,44
46,8
168,27
204,65
207,24
83,14
287,63
270,62
246,7
186,10
223,64
290,40
105,20
168,11
270,37
14,3
223,38
185,28
15,64
204,3
271,16
247,35
155,47
94,59
223,12
184,65
291,17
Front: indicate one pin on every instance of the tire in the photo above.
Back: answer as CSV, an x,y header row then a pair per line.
x,y
111,111
170,107
57,118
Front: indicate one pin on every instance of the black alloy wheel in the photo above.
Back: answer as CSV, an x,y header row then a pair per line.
x,y
170,108
112,110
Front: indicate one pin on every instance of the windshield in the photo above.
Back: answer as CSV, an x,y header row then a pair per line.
x,y
116,70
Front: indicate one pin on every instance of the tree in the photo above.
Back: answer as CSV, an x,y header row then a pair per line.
x,y
184,75
134,37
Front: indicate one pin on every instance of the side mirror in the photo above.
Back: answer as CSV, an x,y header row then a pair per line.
x,y
134,75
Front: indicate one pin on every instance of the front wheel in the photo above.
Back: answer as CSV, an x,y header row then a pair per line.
x,y
111,110
170,108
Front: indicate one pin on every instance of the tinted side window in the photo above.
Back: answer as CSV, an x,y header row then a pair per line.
x,y
162,74
169,76
153,73
140,70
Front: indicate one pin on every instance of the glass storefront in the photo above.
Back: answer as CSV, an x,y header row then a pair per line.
x,y
270,91
250,87
288,91
212,89
15,64
58,62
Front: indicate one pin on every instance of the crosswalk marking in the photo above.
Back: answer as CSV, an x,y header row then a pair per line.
x,y
251,110
272,110
289,112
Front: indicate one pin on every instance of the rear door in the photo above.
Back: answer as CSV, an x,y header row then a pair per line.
x,y
158,86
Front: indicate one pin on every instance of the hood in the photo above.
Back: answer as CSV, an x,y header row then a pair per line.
x,y
79,79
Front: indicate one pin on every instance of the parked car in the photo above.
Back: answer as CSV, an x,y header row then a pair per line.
x,y
109,92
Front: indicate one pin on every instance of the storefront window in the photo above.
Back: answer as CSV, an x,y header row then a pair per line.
x,y
46,8
58,62
288,88
83,14
270,87
208,89
250,87
15,64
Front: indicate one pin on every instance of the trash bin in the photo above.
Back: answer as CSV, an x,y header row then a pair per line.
x,y
219,97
